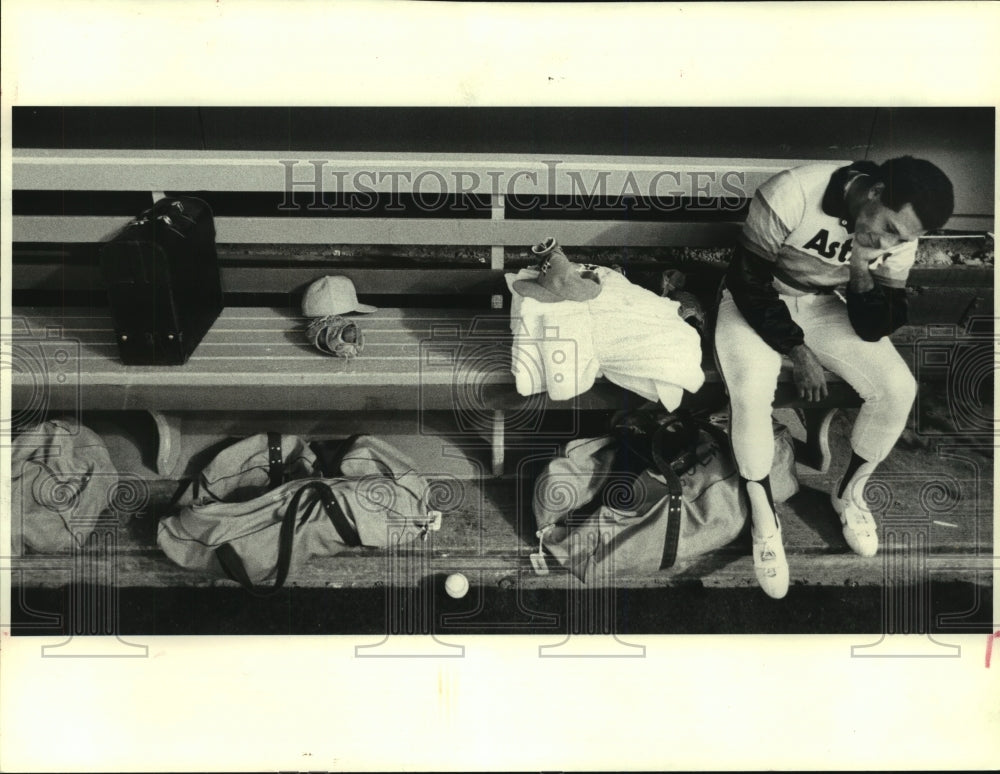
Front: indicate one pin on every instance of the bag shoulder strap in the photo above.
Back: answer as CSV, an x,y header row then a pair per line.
x,y
233,565
275,461
675,491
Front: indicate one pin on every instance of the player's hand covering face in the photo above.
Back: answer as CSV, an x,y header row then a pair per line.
x,y
879,227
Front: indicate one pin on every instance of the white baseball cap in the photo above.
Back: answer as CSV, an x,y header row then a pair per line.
x,y
332,295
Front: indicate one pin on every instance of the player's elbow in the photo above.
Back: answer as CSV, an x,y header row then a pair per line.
x,y
871,335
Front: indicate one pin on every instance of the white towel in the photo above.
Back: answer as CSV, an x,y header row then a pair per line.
x,y
627,334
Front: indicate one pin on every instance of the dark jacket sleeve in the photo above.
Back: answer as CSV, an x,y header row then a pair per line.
x,y
749,281
878,312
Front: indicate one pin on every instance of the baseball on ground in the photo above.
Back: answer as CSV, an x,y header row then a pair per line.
x,y
457,585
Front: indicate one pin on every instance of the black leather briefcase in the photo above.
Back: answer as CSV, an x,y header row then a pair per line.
x,y
162,274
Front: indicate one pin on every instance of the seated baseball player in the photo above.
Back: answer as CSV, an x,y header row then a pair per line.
x,y
819,276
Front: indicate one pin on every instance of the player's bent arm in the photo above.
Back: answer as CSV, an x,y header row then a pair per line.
x,y
749,280
874,308
877,312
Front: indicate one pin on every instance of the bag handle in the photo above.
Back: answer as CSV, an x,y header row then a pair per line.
x,y
275,473
716,433
330,454
233,565
639,431
685,427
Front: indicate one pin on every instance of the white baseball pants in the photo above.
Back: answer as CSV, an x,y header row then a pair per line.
x,y
750,369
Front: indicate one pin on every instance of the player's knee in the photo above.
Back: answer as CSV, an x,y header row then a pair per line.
x,y
750,384
899,389
745,400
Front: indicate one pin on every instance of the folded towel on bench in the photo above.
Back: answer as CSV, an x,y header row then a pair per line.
x,y
627,334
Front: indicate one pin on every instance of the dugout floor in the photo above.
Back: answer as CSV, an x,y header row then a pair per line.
x,y
942,476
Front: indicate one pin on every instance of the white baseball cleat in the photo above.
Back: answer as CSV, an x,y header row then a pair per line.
x,y
860,530
769,564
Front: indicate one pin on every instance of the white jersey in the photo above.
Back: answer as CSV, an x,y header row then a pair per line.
x,y
810,247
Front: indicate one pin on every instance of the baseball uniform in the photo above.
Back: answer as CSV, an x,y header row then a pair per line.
x,y
793,254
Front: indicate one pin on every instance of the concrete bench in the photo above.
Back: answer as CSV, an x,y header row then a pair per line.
x,y
257,359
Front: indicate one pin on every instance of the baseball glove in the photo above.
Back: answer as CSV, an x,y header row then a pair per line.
x,y
336,335
691,310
